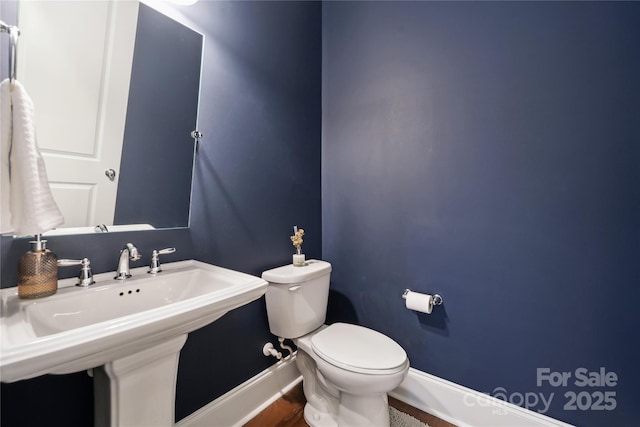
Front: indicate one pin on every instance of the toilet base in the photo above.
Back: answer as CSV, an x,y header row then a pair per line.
x,y
372,410
316,418
365,411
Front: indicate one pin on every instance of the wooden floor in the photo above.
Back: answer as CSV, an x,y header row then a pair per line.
x,y
288,411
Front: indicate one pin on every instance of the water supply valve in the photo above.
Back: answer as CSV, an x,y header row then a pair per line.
x,y
269,350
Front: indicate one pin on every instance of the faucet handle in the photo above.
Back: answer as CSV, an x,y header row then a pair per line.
x,y
85,278
154,267
165,251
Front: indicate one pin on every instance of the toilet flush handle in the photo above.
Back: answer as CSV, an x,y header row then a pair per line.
x,y
294,288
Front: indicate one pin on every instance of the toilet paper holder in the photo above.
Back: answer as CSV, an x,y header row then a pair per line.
x,y
435,299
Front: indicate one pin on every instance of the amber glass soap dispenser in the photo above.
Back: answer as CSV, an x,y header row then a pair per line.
x,y
37,271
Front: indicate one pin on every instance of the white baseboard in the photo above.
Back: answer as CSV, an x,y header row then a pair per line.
x,y
247,400
463,406
451,402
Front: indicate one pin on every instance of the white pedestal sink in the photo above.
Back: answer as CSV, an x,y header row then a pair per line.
x,y
132,331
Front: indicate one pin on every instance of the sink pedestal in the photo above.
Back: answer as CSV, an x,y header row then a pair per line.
x,y
139,390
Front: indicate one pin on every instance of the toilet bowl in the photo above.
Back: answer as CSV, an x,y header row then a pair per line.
x,y
347,369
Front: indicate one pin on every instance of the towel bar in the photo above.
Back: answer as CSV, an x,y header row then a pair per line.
x,y
13,32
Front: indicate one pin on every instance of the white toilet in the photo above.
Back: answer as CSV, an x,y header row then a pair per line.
x,y
347,370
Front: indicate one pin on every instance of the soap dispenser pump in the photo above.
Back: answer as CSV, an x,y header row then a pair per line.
x,y
37,271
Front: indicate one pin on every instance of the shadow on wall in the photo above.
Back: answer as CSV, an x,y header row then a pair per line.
x,y
436,322
205,178
340,309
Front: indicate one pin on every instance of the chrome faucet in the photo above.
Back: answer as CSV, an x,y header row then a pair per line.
x,y
129,252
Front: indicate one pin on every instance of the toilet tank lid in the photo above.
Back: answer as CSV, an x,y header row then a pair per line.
x,y
292,274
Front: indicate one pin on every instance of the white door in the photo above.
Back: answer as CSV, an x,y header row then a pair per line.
x,y
75,63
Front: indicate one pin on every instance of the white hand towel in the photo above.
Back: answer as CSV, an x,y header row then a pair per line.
x,y
5,147
28,206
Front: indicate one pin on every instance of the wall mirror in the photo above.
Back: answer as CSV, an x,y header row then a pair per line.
x,y
115,84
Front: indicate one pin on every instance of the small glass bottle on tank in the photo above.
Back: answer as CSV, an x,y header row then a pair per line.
x,y
296,239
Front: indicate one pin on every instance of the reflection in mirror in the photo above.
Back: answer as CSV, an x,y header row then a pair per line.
x,y
115,85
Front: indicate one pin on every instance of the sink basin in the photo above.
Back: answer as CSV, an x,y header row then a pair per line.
x,y
81,328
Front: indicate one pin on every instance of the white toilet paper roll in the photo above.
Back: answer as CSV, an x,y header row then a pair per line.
x,y
419,302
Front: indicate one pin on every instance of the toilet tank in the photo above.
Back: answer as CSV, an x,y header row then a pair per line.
x,y
297,298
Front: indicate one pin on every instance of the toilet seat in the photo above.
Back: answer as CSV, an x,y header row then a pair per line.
x,y
359,349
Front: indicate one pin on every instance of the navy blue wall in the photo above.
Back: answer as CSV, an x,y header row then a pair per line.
x,y
257,171
489,152
257,174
